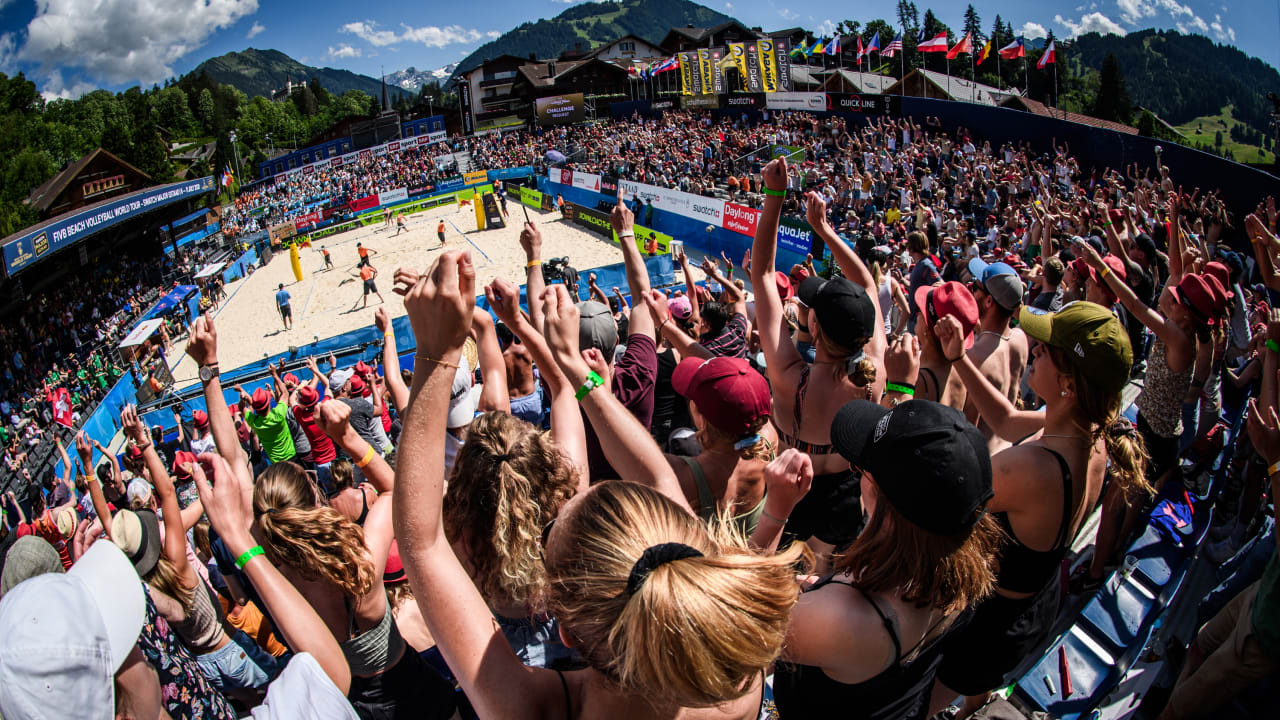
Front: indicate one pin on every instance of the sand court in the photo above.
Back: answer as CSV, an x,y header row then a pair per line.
x,y
330,302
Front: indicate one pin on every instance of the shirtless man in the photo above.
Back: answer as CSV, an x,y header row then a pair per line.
x,y
1000,352
522,385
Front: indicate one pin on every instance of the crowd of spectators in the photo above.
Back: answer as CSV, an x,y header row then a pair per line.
x,y
847,489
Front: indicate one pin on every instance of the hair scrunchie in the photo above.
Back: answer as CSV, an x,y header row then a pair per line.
x,y
655,556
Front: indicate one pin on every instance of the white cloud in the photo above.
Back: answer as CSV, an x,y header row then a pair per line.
x,y
728,6
344,51
1093,22
827,28
123,40
8,53
428,35
53,87
493,34
1195,25
1033,30
787,14
256,30
1223,33
1132,11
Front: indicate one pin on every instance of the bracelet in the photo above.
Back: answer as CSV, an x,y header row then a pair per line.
x,y
438,362
1108,223
248,555
592,382
775,193
1105,271
368,458
904,388
1274,468
780,521
626,234
533,263
1272,345
89,478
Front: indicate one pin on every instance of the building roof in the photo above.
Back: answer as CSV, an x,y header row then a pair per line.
x,y
699,35
868,83
1038,108
605,46
955,88
43,197
539,74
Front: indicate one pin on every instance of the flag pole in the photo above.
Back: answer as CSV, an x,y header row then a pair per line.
x,y
1026,75
973,78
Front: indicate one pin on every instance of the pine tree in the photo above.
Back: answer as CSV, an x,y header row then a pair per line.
x,y
1217,138
1112,102
973,26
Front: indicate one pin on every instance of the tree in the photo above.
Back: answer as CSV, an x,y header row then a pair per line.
x,y
1113,101
908,18
973,26
206,110
1217,138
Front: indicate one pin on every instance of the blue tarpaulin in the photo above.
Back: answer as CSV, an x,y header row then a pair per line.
x,y
173,299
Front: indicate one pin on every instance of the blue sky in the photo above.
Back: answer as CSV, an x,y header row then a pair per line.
x,y
69,47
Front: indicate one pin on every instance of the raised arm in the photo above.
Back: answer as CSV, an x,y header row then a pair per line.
x,y
493,370
736,297
531,242
175,536
625,442
1004,419
691,288
1161,326
622,222
333,417
100,507
656,302
203,348
230,507
779,352
390,362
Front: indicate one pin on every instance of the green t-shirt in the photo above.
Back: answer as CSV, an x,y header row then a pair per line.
x,y
1266,610
273,432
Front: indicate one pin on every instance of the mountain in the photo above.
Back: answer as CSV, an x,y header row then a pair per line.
x,y
258,72
593,23
1182,77
411,79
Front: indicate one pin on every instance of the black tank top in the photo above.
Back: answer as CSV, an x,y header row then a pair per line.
x,y
900,692
1023,570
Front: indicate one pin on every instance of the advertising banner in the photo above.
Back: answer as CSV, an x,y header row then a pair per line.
x,y
464,107
492,214
423,189
393,196
742,101
737,52
586,181
649,241
565,175
531,197
768,66
593,220
393,146
717,72
687,69
740,219
283,231
380,150
363,203
608,185
866,104
795,235
448,184
515,172
560,109
365,155
708,85
705,208
308,170
753,69
700,101
782,58
807,101
64,231
305,221
477,177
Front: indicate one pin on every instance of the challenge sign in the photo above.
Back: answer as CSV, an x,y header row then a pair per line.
x,y
33,244
560,109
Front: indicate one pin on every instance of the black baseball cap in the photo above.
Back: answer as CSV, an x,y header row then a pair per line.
x,y
846,312
926,459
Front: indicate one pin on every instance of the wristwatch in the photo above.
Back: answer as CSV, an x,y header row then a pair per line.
x,y
208,372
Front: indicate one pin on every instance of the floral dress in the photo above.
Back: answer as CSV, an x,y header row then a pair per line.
x,y
186,693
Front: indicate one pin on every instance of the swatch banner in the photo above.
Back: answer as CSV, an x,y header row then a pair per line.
x,y
740,219
783,62
753,69
717,73
492,214
708,86
688,73
742,101
768,66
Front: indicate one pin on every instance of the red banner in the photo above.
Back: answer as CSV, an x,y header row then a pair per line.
x,y
740,219
363,203
566,177
311,218
60,399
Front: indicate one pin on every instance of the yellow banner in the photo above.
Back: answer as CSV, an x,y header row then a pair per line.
x,y
479,177
686,74
768,66
704,68
736,57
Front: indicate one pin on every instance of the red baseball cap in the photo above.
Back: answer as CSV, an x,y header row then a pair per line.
x,y
200,418
949,298
260,400
728,392
180,458
1222,274
1193,292
308,396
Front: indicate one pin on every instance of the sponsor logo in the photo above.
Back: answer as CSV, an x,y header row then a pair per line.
x,y
740,219
662,105
701,210
41,243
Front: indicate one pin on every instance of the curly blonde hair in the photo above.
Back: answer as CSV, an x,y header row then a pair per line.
x,y
696,631
316,540
509,481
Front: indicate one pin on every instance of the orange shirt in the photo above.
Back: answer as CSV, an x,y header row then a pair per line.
x,y
366,273
364,251
440,227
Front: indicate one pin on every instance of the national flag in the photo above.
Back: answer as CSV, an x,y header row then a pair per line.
x,y
920,36
1014,50
861,51
60,399
937,44
894,47
1048,57
833,47
668,64
964,46
986,52
819,48
801,50
874,45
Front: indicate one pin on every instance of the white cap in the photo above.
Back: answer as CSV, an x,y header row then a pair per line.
x,y
464,398
338,378
137,492
66,635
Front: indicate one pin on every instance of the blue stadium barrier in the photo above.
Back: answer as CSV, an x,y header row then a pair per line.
x,y
104,421
239,267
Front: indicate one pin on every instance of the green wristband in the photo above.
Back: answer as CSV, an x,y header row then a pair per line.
x,y
775,193
1273,346
248,555
592,382
899,388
